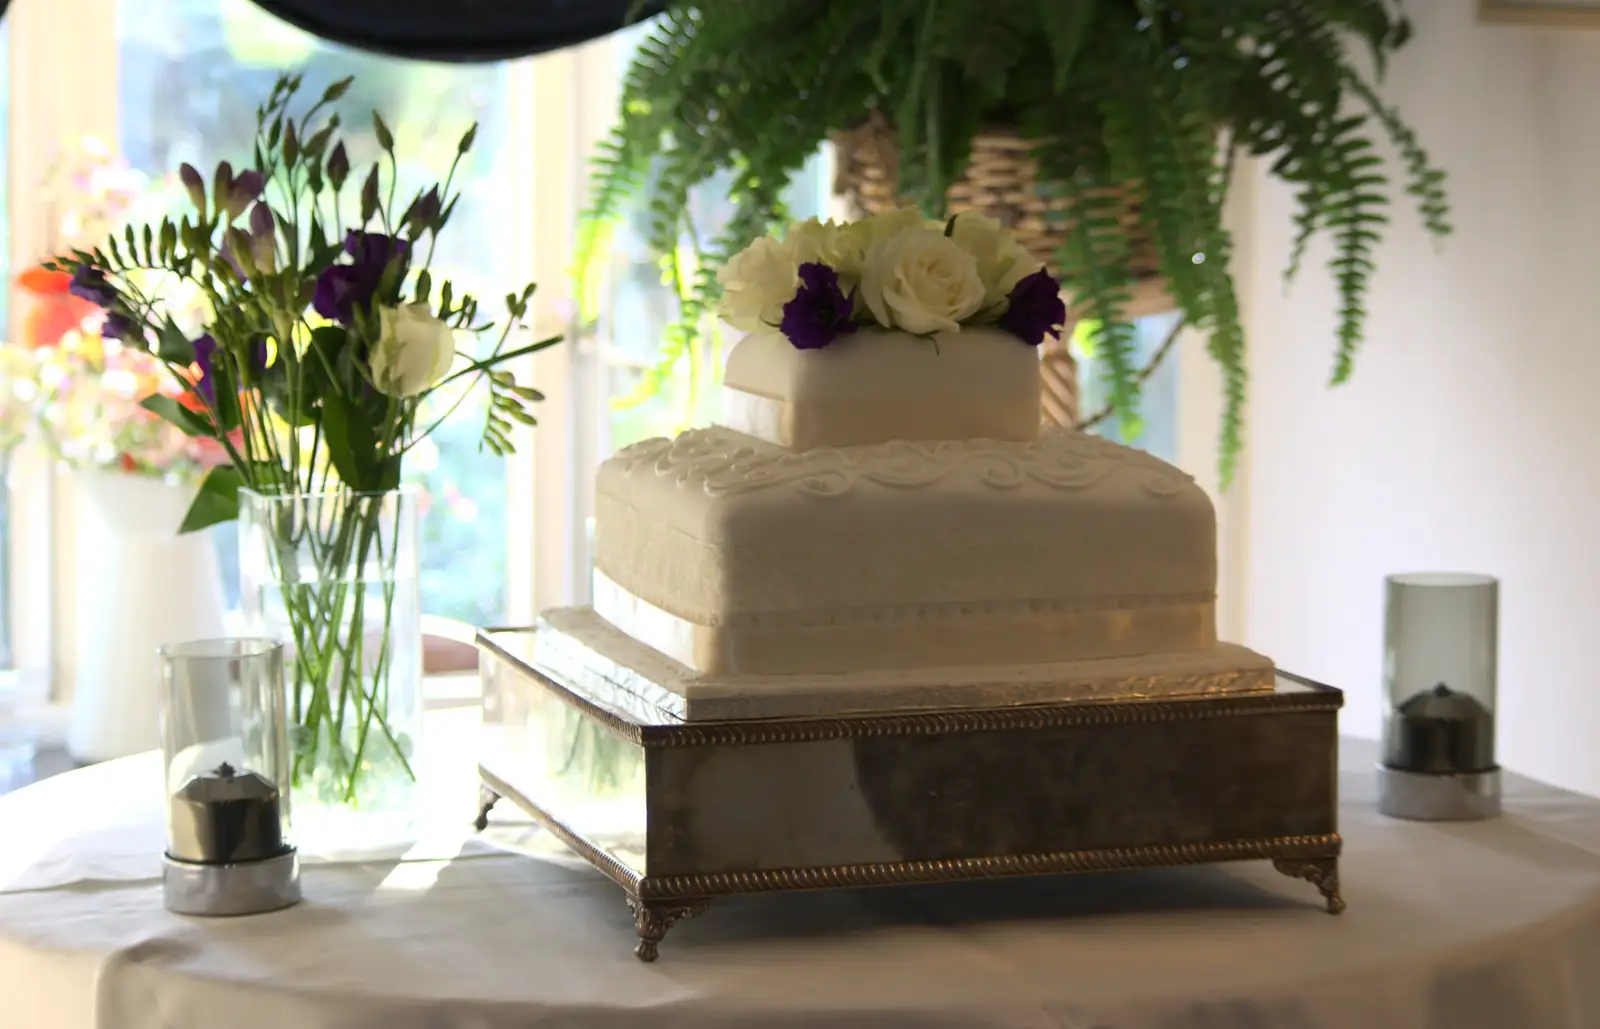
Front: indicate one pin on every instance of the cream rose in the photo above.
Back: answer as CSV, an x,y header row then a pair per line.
x,y
827,243
756,283
1002,262
414,350
890,224
920,281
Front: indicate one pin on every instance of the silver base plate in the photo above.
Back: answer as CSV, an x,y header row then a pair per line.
x,y
245,888
1438,797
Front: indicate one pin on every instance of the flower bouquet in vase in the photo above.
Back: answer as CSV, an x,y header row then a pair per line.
x,y
324,333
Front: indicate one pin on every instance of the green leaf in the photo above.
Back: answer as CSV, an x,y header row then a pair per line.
x,y
351,445
1066,26
171,411
216,501
172,345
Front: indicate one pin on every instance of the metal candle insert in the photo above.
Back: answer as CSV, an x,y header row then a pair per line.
x,y
1440,655
225,817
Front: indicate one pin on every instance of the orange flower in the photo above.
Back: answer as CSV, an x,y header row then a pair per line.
x,y
54,311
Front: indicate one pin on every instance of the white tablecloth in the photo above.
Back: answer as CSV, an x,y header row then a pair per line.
x,y
1493,925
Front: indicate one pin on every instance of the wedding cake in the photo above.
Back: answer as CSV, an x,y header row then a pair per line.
x,y
879,520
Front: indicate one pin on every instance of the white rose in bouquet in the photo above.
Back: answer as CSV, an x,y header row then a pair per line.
x,y
918,280
756,283
1002,262
414,350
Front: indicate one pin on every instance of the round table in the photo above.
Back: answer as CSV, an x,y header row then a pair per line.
x,y
1449,926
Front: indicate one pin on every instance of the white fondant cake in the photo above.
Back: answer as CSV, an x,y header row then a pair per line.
x,y
929,525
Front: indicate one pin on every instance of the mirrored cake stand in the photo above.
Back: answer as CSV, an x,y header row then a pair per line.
x,y
679,812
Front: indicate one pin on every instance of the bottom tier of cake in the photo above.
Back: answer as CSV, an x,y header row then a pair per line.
x,y
579,646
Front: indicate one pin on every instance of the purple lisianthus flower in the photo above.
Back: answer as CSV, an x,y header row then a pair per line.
x,y
119,326
243,191
820,311
373,249
205,350
90,284
342,288
1034,309
194,185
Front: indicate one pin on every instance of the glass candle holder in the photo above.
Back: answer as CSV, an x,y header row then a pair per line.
x,y
225,750
1439,670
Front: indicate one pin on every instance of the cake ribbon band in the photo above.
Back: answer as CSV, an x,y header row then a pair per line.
x,y
1018,636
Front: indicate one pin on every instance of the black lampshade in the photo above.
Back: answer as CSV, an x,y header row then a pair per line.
x,y
455,30
458,30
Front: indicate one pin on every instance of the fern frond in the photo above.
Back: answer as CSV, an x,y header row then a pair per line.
x,y
1095,271
1425,182
1355,217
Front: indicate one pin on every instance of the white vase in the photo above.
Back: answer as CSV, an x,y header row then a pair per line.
x,y
140,586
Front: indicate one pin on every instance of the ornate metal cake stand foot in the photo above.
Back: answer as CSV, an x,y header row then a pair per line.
x,y
1323,873
652,918
487,799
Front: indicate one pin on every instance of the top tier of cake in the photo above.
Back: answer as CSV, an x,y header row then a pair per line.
x,y
875,386
890,502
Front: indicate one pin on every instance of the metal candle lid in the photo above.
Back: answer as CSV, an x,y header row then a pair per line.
x,y
226,817
1445,704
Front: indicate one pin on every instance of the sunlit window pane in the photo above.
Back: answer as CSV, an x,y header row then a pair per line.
x,y
191,74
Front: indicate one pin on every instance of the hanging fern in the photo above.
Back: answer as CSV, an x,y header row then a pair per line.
x,y
1147,99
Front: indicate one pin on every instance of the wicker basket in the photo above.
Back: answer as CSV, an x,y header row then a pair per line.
x,y
999,181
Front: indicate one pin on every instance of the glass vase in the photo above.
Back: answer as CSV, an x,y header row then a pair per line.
x,y
334,577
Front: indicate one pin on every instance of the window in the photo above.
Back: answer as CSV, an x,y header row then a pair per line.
x,y
1159,410
190,74
639,307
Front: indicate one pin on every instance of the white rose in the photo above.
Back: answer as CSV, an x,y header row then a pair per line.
x,y
919,281
756,283
414,350
1002,261
890,224
813,240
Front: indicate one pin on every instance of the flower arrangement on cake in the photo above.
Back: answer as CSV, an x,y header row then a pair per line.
x,y
322,332
897,271
1106,129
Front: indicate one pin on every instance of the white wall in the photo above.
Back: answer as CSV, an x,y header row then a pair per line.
x,y
1469,437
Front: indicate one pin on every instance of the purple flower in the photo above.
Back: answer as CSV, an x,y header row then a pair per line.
x,y
205,349
194,185
261,222
1034,309
338,166
243,191
90,284
263,237
121,327
373,249
342,288
820,312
